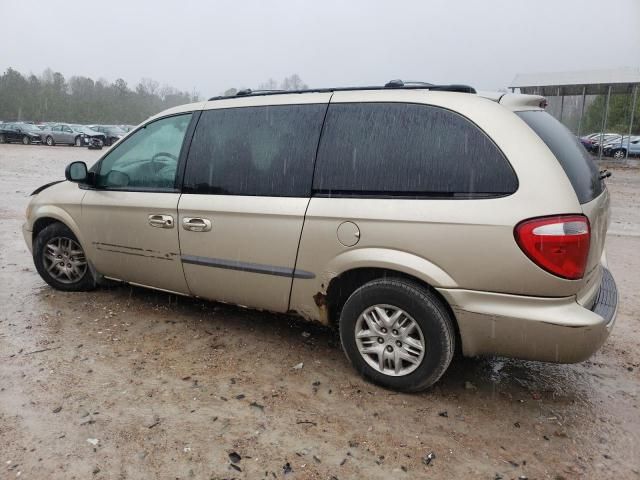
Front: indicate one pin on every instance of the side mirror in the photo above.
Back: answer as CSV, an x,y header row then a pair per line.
x,y
76,172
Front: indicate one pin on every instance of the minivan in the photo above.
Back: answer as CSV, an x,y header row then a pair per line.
x,y
418,220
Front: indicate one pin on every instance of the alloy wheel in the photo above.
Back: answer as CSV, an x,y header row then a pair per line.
x,y
64,260
389,340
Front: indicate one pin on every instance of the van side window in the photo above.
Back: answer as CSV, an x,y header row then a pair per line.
x,y
258,151
398,149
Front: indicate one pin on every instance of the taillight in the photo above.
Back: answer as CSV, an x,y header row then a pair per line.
x,y
558,244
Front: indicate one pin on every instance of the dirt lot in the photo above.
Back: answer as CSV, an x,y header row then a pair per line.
x,y
129,383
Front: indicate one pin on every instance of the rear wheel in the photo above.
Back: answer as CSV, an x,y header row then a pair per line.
x,y
49,141
398,334
60,259
3,139
619,154
26,140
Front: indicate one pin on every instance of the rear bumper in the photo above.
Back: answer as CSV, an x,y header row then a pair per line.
x,y
533,328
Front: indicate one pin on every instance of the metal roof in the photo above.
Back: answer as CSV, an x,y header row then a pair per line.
x,y
591,82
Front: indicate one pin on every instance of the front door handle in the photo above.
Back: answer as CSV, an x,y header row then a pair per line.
x,y
196,224
161,221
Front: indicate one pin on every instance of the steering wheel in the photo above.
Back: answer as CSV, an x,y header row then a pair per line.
x,y
157,165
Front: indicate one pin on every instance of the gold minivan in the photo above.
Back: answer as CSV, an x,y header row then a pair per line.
x,y
417,219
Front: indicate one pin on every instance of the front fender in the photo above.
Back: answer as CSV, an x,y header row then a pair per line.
x,y
59,214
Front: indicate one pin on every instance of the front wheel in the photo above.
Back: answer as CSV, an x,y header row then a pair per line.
x,y
26,140
78,141
3,139
49,141
61,261
398,334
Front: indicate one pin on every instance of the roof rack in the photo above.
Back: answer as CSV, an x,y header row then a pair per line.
x,y
393,84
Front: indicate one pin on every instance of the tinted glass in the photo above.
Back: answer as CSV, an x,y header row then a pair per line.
x,y
575,160
408,149
148,159
265,151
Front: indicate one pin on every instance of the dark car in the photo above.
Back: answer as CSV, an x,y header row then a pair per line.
x,y
25,133
111,132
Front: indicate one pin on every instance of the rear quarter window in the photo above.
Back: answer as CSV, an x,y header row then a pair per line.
x,y
409,150
576,162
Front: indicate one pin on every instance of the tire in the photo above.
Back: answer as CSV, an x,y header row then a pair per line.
x,y
3,139
26,140
619,154
431,322
78,141
108,142
59,238
49,141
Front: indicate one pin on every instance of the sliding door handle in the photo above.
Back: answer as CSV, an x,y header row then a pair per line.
x,y
196,224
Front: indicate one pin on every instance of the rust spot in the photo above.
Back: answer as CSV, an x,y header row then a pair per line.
x,y
320,299
323,310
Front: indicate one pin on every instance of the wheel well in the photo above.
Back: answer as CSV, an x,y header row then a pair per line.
x,y
43,223
341,287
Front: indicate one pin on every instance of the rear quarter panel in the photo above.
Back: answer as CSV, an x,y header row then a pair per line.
x,y
465,244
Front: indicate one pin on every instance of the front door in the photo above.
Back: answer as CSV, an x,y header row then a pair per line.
x,y
247,186
130,217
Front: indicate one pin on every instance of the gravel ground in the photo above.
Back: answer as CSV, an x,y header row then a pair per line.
x,y
130,383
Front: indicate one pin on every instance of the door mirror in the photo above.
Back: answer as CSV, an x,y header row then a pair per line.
x,y
76,172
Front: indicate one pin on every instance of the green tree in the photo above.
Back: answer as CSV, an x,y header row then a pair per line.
x,y
618,117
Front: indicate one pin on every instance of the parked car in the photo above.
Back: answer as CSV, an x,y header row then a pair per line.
x,y
603,139
111,132
25,133
587,141
618,149
90,134
64,133
412,243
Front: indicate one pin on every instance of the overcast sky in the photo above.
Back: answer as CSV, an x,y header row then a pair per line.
x,y
209,46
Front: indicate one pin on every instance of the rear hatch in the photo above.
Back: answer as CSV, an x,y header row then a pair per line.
x,y
592,194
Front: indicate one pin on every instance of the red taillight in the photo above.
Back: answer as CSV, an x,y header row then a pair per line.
x,y
558,244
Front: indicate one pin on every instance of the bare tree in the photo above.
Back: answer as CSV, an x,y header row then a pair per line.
x,y
293,82
270,84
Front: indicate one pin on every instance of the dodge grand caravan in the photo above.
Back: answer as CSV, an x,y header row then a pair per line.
x,y
417,219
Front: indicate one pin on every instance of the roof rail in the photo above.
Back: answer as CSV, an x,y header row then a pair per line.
x,y
393,84
399,84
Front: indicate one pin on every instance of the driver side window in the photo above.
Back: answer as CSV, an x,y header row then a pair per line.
x,y
148,159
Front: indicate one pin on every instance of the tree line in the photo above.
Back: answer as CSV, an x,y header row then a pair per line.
x,y
50,97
